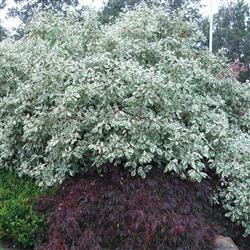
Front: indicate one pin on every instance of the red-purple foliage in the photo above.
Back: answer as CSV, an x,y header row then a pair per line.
x,y
118,212
236,68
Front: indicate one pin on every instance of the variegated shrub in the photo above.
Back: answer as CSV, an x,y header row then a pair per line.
x,y
76,94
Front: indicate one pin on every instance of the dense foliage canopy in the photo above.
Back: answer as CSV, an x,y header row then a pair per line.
x,y
139,93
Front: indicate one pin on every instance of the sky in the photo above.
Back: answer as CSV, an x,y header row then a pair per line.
x,y
11,23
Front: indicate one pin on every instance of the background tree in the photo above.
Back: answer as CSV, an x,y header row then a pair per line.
x,y
3,31
191,6
2,3
113,7
232,32
26,9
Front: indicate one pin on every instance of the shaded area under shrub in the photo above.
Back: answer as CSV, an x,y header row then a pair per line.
x,y
121,212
